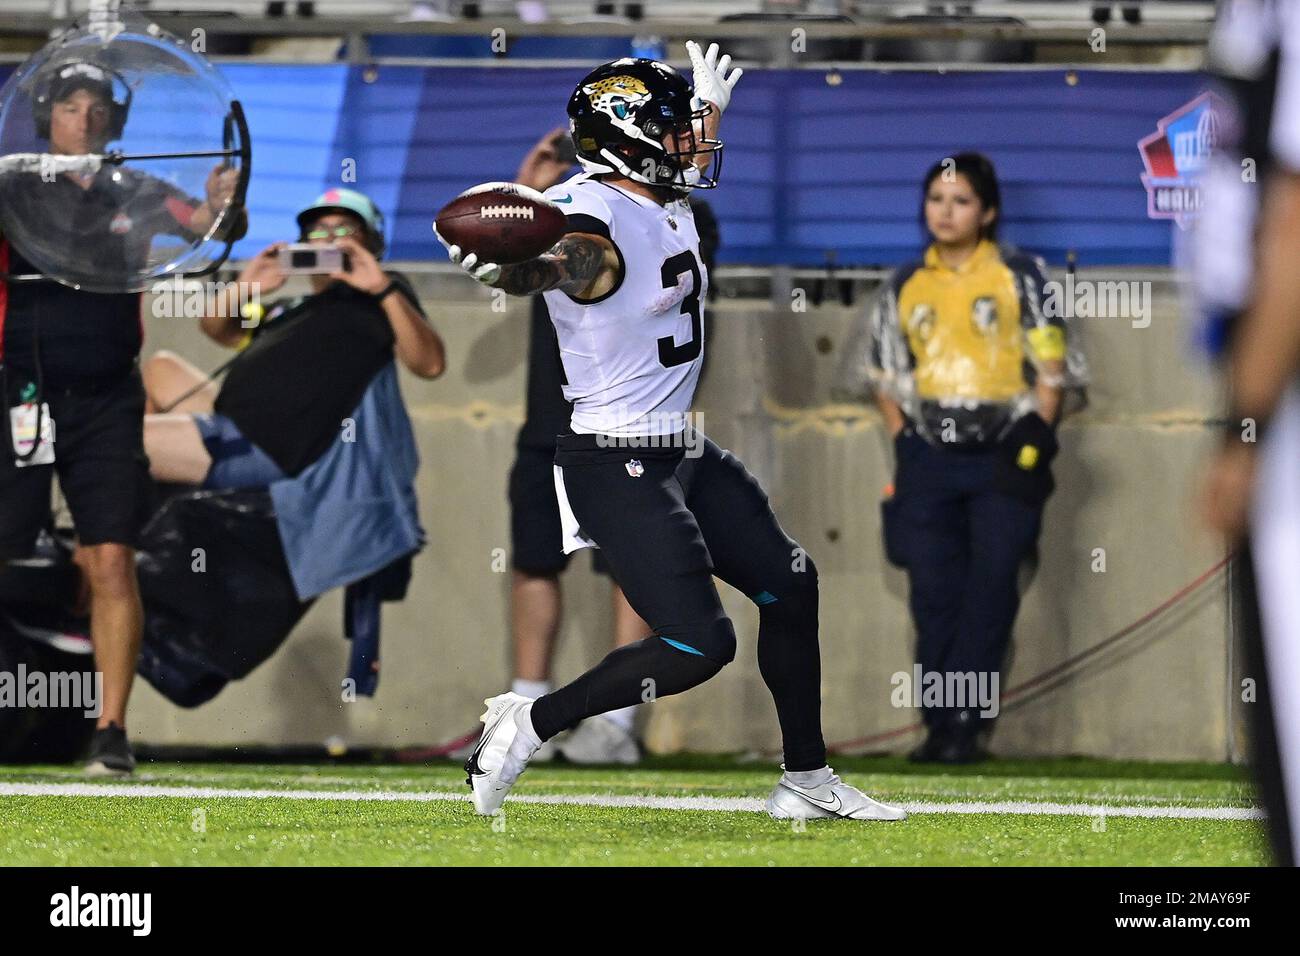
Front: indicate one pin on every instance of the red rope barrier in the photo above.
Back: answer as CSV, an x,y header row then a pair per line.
x,y
1051,672
439,751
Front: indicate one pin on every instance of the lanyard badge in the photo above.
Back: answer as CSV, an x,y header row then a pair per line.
x,y
22,429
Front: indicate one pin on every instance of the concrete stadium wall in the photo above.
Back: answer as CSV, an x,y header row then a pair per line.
x,y
1126,476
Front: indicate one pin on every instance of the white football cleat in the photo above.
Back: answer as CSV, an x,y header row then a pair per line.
x,y
485,765
600,740
833,798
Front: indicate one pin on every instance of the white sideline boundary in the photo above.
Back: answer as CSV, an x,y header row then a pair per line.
x,y
724,804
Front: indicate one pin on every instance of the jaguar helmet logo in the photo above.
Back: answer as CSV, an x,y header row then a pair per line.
x,y
619,96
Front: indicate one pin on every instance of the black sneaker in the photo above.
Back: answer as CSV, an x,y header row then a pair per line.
x,y
110,754
963,741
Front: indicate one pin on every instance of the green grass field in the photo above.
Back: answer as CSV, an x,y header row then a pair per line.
x,y
412,816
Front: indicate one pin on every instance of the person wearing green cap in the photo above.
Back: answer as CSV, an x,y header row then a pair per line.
x,y
302,366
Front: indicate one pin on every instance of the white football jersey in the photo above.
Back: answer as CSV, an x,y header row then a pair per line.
x,y
632,357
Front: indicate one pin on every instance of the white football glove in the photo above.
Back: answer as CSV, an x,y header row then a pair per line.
x,y
485,272
711,80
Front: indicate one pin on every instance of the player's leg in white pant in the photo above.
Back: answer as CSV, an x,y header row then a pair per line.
x,y
1275,541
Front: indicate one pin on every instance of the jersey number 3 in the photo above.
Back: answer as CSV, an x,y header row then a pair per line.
x,y
670,353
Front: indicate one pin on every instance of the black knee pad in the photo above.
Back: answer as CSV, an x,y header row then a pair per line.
x,y
714,640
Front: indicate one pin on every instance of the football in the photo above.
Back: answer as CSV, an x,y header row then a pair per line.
x,y
501,222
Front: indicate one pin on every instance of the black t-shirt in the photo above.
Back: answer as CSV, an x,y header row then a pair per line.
x,y
84,336
306,369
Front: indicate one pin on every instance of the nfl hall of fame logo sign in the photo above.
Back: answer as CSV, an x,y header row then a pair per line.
x,y
1174,156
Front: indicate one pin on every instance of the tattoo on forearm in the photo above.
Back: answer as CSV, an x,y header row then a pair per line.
x,y
571,264
530,277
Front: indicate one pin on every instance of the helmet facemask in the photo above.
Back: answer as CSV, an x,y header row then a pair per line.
x,y
689,143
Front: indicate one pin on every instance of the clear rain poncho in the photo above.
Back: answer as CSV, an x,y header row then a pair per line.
x,y
958,399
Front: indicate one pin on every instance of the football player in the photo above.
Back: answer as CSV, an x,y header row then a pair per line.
x,y
1247,287
625,288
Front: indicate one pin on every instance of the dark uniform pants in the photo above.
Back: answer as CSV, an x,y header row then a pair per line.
x,y
962,541
667,522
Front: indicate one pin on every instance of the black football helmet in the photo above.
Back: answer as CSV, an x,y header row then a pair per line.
x,y
620,114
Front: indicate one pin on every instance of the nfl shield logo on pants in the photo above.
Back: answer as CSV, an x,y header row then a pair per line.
x,y
635,468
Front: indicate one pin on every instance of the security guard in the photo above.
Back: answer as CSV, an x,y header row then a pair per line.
x,y
968,374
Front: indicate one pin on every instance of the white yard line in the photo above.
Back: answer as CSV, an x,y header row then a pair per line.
x,y
742,804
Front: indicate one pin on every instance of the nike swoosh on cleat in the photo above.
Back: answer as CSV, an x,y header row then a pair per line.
x,y
833,808
471,765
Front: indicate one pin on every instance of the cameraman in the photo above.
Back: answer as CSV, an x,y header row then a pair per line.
x,y
302,368
69,358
